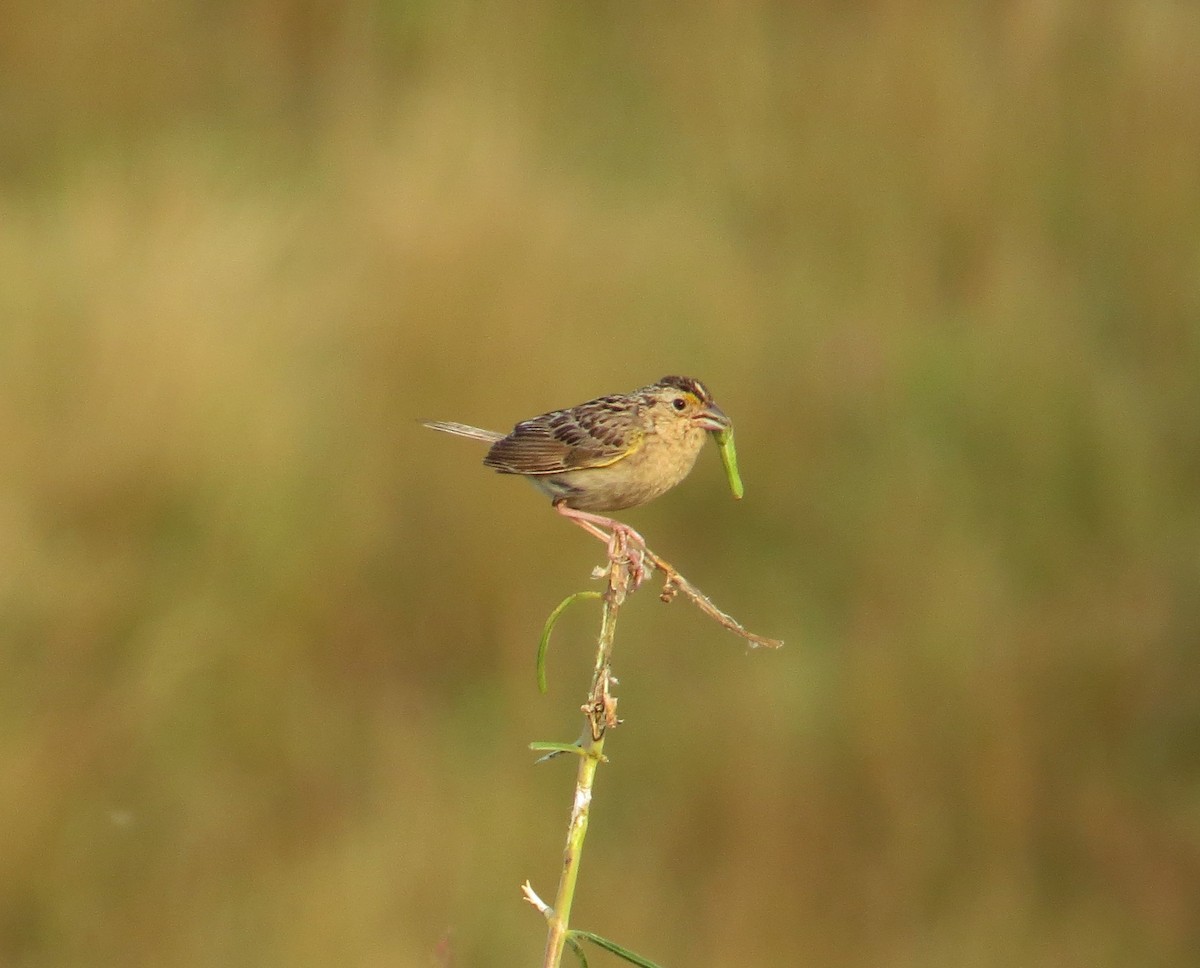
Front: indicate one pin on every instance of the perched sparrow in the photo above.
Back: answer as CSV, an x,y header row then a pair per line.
x,y
613,452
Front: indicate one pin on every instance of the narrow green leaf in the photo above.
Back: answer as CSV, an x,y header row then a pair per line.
x,y
616,949
544,644
553,749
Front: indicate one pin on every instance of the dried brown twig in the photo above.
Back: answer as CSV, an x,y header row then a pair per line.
x,y
675,582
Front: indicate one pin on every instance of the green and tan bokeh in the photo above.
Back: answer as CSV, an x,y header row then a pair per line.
x,y
266,646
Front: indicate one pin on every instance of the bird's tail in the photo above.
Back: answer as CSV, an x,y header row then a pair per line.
x,y
463,430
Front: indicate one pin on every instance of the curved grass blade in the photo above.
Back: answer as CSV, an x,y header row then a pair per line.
x,y
544,644
578,949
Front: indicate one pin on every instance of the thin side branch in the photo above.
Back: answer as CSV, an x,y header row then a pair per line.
x,y
676,582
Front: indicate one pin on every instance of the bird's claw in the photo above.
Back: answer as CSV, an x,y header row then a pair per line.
x,y
628,547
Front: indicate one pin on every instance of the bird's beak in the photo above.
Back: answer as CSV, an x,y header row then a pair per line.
x,y
713,419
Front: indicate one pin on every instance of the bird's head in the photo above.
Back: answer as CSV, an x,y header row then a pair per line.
x,y
687,399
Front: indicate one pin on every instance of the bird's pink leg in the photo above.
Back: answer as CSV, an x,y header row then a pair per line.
x,y
618,535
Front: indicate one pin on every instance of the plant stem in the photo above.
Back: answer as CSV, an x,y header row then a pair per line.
x,y
599,714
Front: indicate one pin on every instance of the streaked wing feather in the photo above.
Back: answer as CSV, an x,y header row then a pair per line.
x,y
594,434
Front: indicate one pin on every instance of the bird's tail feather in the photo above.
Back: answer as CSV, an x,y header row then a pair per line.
x,y
463,430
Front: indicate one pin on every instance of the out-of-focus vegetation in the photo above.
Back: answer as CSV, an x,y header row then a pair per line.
x,y
268,646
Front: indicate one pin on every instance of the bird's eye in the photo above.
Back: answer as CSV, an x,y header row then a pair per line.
x,y
679,403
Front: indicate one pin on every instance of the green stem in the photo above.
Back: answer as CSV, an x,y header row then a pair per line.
x,y
599,714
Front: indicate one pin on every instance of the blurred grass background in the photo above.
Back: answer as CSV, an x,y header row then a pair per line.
x,y
268,646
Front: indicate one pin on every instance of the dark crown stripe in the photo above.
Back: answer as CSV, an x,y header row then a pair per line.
x,y
689,384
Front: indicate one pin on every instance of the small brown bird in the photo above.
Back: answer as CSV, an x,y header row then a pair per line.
x,y
614,452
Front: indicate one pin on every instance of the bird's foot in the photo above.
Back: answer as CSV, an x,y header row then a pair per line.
x,y
624,544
